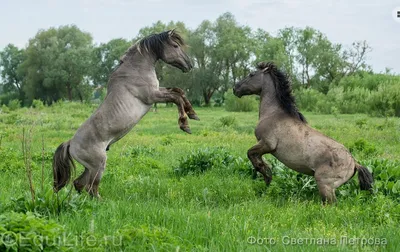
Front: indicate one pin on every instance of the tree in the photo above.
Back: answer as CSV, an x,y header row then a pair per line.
x,y
221,51
355,57
12,79
288,37
57,60
105,58
233,48
202,41
269,48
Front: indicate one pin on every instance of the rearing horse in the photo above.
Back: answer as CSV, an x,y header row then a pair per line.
x,y
132,89
283,132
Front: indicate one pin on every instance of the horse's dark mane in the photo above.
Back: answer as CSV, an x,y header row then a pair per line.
x,y
283,89
155,43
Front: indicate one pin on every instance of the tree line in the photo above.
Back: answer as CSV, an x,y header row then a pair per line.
x,y
65,63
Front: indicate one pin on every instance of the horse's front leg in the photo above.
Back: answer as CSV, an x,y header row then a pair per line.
x,y
255,155
165,95
187,105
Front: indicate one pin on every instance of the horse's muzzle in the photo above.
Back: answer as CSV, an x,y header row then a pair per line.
x,y
235,92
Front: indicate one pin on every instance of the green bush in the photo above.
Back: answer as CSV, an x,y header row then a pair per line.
x,y
386,176
146,238
38,104
14,104
386,100
244,104
139,150
48,203
10,160
228,121
4,109
349,102
362,146
307,100
5,98
202,160
375,94
29,232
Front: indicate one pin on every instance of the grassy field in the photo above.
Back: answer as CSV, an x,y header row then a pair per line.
x,y
164,190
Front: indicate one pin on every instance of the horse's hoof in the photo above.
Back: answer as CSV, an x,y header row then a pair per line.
x,y
187,130
194,117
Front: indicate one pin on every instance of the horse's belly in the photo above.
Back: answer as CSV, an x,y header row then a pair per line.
x,y
124,122
295,163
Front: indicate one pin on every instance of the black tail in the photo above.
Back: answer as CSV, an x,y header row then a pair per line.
x,y
365,178
62,162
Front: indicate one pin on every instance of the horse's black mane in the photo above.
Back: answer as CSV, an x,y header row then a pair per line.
x,y
283,89
155,43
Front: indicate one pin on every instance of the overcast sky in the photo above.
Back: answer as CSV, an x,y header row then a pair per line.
x,y
343,21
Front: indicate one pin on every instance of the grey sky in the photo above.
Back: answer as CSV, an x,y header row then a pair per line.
x,y
342,21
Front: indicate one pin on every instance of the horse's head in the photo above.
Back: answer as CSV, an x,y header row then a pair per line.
x,y
252,84
174,54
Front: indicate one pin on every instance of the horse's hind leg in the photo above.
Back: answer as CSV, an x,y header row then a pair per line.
x,y
327,192
94,180
94,160
82,181
255,155
326,185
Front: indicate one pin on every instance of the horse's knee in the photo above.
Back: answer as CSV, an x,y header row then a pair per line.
x,y
178,90
251,154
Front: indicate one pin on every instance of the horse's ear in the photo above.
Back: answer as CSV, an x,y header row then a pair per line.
x,y
171,32
263,66
265,69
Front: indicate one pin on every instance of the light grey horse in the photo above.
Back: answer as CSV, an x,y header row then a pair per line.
x,y
283,132
132,89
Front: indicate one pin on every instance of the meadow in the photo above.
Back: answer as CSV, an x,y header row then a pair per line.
x,y
165,190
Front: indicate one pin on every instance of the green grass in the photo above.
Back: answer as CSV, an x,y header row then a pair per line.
x,y
146,206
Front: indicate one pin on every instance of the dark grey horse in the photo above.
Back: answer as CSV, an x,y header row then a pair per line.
x,y
283,132
132,89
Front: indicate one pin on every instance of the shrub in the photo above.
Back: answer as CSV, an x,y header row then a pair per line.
x,y
385,101
144,237
228,121
7,97
244,104
205,159
201,160
38,104
307,99
29,232
14,104
386,175
48,203
4,109
363,146
10,160
139,151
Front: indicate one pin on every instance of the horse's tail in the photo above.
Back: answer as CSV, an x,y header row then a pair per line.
x,y
364,177
62,162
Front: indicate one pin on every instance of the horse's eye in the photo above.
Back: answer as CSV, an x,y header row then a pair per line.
x,y
176,46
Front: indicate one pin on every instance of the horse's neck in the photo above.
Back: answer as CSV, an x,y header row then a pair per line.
x,y
269,104
139,67
140,60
